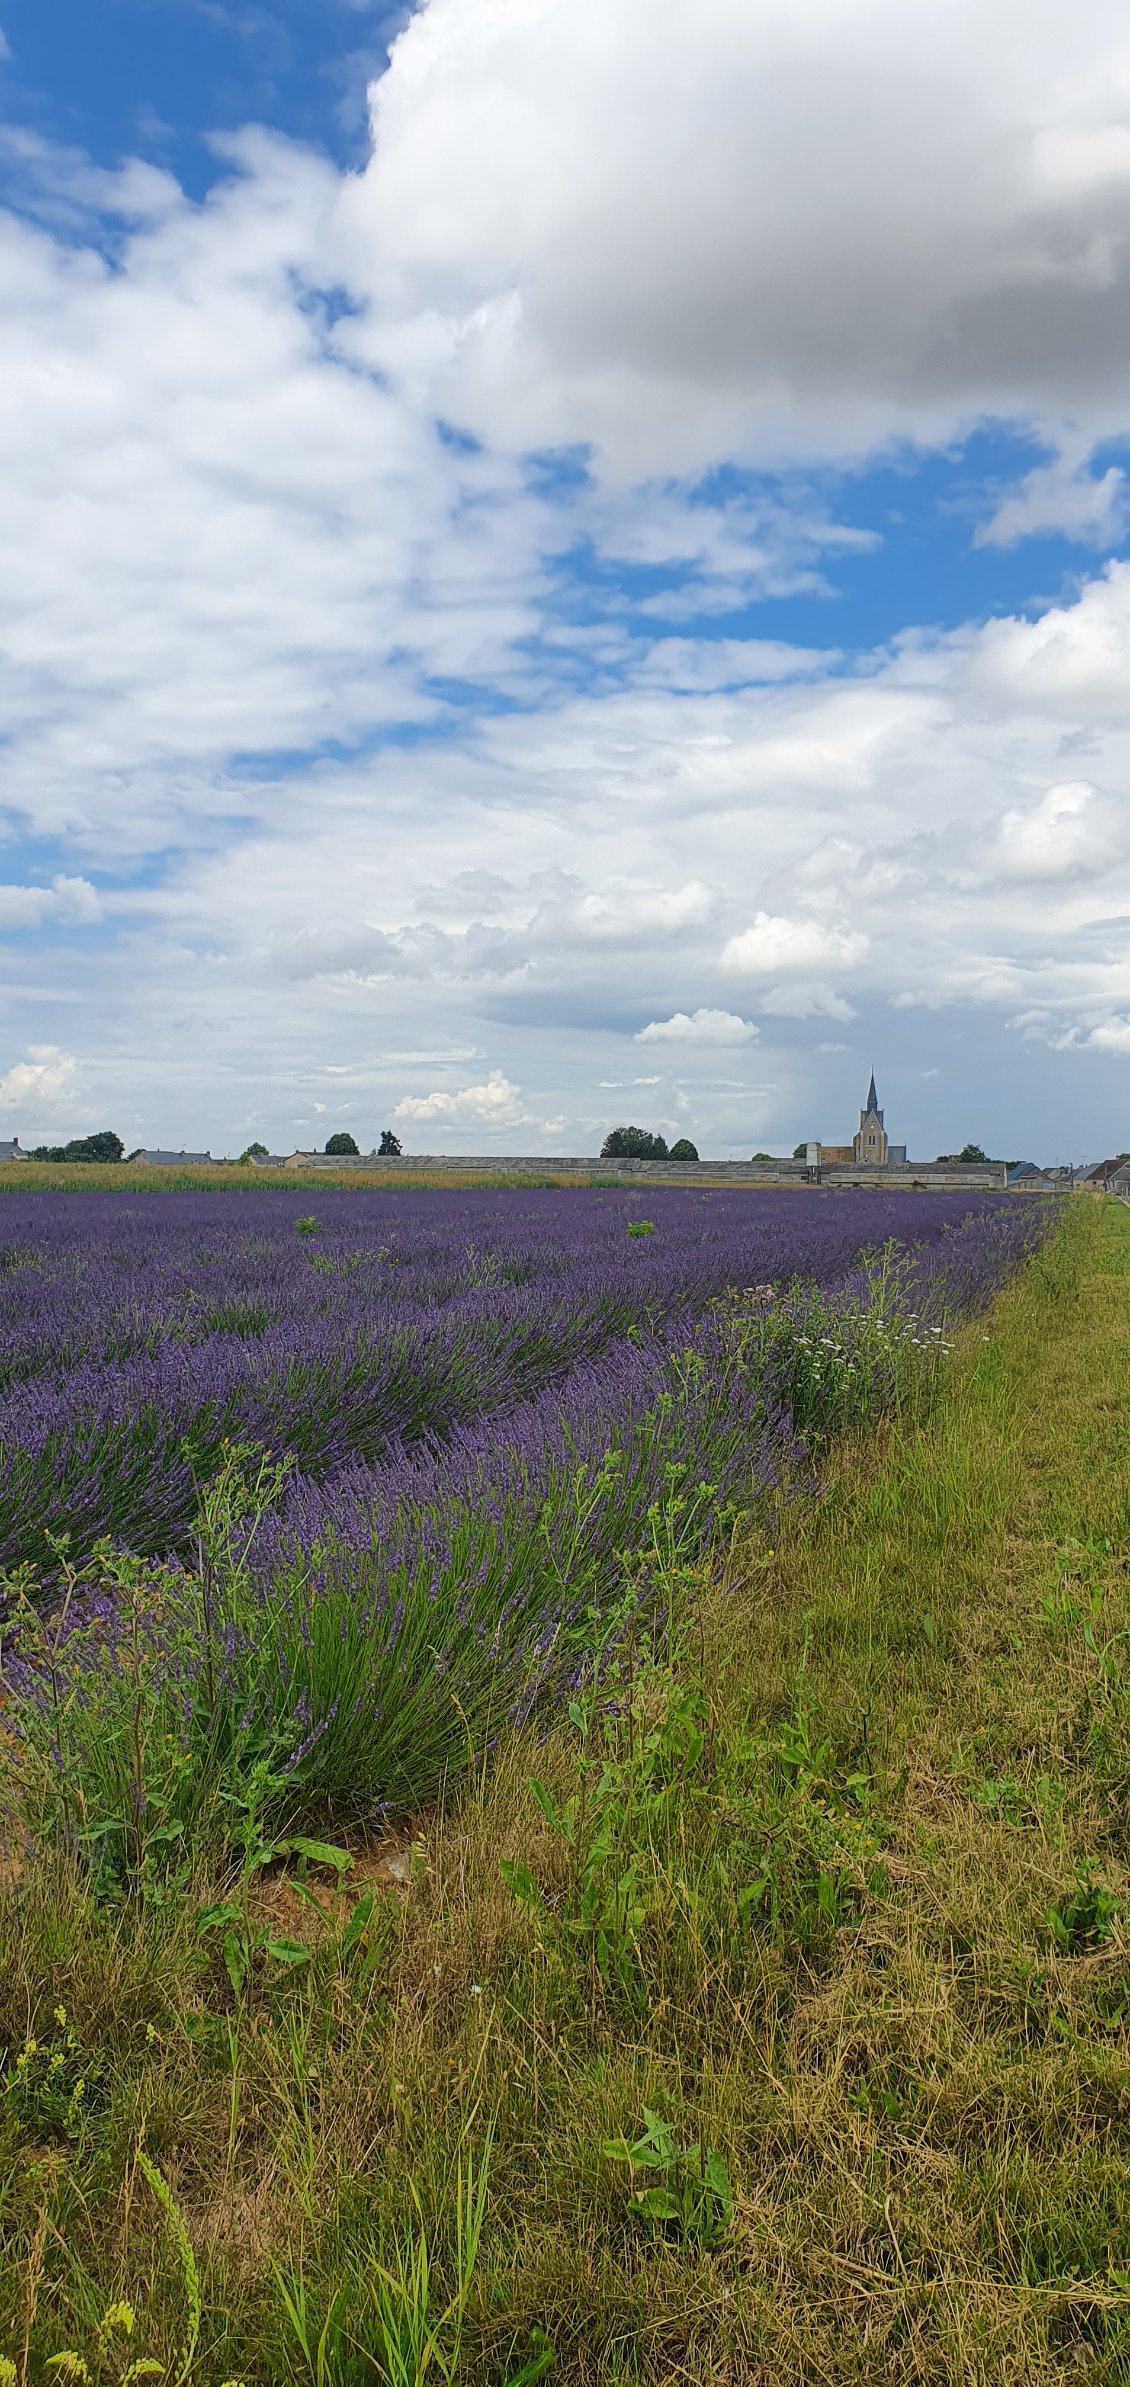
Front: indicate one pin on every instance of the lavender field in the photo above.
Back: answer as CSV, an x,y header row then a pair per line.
x,y
491,1420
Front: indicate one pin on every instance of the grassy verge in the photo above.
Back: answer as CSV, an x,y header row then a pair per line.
x,y
781,2033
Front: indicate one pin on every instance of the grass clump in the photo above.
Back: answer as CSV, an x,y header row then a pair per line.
x,y
766,2019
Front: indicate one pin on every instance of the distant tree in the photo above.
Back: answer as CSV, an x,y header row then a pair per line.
x,y
684,1149
756,1156
253,1152
968,1152
633,1143
105,1145
391,1147
800,1152
342,1147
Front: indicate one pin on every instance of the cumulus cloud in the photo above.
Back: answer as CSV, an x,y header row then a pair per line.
x,y
1067,660
1110,1036
778,943
702,1027
40,1086
222,537
402,787
66,899
1072,831
497,1103
679,226
909,838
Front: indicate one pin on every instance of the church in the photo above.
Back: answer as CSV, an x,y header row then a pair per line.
x,y
870,1147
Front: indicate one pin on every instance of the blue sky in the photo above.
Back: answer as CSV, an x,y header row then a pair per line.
x,y
565,562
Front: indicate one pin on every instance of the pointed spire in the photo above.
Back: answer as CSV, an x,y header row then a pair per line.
x,y
872,1097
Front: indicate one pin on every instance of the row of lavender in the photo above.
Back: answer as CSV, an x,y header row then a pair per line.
x,y
532,1417
135,1336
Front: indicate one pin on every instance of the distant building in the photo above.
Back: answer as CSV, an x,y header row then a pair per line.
x,y
1033,1180
12,1151
1104,1170
328,1160
171,1160
870,1147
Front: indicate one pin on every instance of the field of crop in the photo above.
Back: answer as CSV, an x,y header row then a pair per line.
x,y
445,1431
449,1724
136,1337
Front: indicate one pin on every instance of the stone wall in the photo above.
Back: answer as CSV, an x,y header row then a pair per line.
x,y
904,1177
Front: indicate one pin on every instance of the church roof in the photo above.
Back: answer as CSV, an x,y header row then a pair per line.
x,y
872,1103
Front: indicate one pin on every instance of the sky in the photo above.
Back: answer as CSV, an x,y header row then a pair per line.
x,y
565,561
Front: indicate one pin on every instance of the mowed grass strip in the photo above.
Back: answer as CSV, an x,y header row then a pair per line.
x,y
785,2026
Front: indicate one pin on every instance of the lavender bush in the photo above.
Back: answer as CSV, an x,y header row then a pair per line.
x,y
499,1423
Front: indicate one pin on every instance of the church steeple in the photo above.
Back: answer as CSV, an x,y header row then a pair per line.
x,y
870,1144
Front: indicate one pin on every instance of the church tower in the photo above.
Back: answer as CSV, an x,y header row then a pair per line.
x,y
870,1145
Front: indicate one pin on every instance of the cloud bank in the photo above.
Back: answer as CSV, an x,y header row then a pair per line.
x,y
418,616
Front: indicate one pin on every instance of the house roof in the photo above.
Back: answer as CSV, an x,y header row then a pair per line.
x,y
168,1160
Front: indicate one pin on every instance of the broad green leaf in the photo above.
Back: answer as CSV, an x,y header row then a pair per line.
x,y
520,1882
212,1916
287,1951
319,1852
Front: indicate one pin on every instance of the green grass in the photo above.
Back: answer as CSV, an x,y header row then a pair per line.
x,y
770,2023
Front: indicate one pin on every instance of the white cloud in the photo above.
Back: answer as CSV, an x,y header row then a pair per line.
x,y
1069,659
778,943
696,664
40,1087
909,837
66,899
1072,831
495,1104
221,537
1061,497
674,227
801,999
702,1027
237,563
628,911
1110,1036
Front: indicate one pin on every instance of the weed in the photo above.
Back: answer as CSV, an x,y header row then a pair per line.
x,y
1086,1918
691,2200
47,2086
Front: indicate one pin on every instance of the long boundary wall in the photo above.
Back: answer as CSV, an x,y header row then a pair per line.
x,y
903,1177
